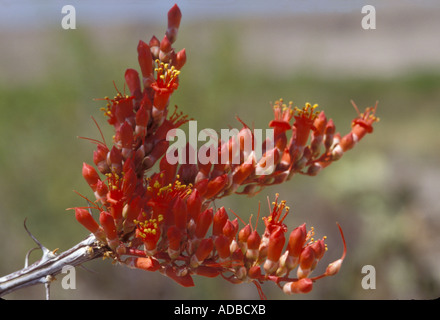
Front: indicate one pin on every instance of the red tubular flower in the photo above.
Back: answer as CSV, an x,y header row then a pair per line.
x,y
142,118
148,263
180,214
204,249
85,218
275,248
194,204
174,17
215,186
301,286
306,261
126,136
203,223
149,231
130,212
146,63
180,59
219,221
230,229
253,245
297,240
92,177
165,84
174,236
221,243
108,224
115,160
207,271
100,158
303,124
133,83
166,50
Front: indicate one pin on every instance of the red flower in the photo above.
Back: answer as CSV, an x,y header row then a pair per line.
x,y
163,221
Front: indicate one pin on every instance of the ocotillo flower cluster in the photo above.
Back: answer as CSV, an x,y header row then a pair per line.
x,y
163,221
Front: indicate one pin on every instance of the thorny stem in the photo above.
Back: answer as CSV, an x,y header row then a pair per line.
x,y
44,270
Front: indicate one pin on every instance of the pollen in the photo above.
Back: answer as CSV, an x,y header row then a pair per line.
x,y
308,111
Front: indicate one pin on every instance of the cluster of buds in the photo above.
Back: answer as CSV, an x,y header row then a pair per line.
x,y
162,221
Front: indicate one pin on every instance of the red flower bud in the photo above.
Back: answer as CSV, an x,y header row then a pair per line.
x,y
92,177
306,260
174,17
215,186
100,159
276,244
115,160
207,271
194,204
220,218
133,82
204,249
301,286
180,213
297,239
146,63
108,225
222,246
174,236
275,247
203,223
85,218
230,229
180,59
147,263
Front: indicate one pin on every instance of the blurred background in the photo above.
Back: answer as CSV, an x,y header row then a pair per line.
x,y
242,55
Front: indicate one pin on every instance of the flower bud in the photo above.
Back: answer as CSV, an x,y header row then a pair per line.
x,y
275,247
174,236
194,204
219,221
180,214
92,177
306,260
146,63
174,17
109,227
133,83
203,250
148,263
203,223
84,217
222,246
253,244
301,286
215,186
333,268
100,159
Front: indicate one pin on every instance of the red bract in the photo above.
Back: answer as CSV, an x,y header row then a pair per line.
x,y
162,221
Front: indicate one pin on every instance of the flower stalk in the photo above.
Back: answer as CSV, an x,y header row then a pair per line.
x,y
164,221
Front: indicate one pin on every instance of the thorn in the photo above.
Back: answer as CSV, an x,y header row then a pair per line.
x,y
26,259
47,254
44,249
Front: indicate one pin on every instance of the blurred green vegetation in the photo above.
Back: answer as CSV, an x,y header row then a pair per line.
x,y
373,192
